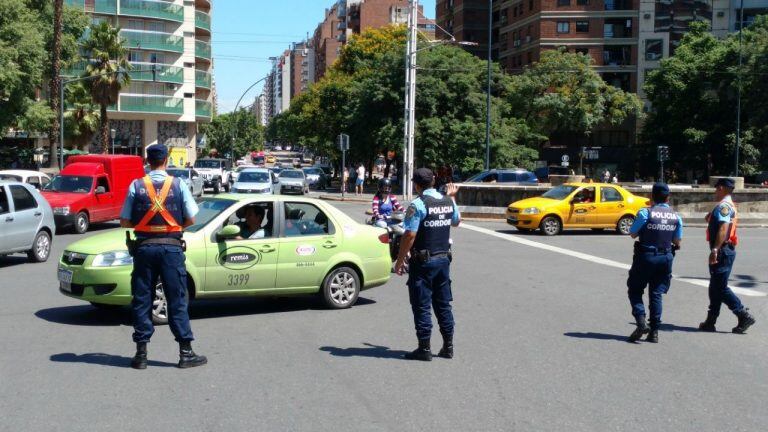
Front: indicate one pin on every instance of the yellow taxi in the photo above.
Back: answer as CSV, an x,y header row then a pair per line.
x,y
577,205
271,159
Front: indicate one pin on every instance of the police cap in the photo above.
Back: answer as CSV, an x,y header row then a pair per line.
x,y
660,189
423,177
157,152
726,182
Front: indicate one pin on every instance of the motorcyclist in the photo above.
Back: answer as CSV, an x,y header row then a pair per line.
x,y
384,203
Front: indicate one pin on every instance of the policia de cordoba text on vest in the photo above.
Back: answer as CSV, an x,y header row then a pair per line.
x,y
154,208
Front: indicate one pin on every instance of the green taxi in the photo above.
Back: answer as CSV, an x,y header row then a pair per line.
x,y
304,246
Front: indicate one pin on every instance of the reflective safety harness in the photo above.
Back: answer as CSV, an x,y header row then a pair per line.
x,y
158,207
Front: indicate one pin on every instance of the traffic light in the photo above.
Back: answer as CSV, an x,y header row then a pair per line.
x,y
662,152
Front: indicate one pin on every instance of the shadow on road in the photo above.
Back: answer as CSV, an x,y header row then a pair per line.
x,y
370,350
739,280
103,360
8,261
606,233
86,315
598,336
677,328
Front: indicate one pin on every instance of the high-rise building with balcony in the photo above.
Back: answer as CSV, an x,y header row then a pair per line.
x,y
174,38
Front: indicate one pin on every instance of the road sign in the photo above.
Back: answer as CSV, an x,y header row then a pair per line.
x,y
564,163
565,160
343,141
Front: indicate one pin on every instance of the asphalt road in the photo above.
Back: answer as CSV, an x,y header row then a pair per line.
x,y
539,346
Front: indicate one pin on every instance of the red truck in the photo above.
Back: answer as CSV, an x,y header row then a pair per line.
x,y
91,188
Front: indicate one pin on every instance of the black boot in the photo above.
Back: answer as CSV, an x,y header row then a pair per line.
x,y
188,358
139,360
709,324
423,352
642,328
745,321
653,336
447,350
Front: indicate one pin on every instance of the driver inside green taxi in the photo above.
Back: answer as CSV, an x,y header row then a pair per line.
x,y
251,227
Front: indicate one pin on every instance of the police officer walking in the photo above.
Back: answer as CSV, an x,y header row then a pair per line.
x,y
659,231
722,238
158,207
427,240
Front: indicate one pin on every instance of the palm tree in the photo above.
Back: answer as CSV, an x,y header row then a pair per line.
x,y
109,66
81,118
58,6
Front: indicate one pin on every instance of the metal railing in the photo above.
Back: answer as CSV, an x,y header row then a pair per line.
x,y
151,104
202,49
153,40
202,20
152,9
203,108
202,79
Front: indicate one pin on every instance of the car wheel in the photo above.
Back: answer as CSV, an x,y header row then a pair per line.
x,y
341,288
82,223
217,187
550,226
159,306
624,224
41,248
227,187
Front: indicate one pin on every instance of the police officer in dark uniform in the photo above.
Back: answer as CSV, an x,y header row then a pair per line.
x,y
659,231
722,238
427,240
158,207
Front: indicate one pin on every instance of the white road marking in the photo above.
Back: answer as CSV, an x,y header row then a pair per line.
x,y
596,259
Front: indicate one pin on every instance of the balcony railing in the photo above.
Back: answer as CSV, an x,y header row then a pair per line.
x,y
140,72
202,49
202,79
203,108
202,20
153,40
152,9
151,104
97,6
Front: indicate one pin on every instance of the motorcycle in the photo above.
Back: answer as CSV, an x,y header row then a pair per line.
x,y
394,228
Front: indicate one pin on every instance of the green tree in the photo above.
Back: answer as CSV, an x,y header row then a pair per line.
x,y
81,120
108,65
236,133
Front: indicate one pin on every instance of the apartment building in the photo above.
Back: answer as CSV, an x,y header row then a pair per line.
x,y
259,109
302,58
467,21
174,37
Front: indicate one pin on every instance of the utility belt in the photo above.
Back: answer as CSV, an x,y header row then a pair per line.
x,y
641,248
423,256
134,244
726,245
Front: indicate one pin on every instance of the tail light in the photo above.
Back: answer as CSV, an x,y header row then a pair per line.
x,y
384,238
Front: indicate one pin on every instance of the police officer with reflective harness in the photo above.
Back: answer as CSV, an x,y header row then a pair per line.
x,y
722,238
158,207
659,231
427,241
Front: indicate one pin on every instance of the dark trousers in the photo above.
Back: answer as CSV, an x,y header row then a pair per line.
x,y
654,271
429,285
719,292
165,262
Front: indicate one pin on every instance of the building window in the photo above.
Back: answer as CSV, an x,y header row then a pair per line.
x,y
654,49
584,51
530,57
582,2
582,26
563,2
530,5
563,27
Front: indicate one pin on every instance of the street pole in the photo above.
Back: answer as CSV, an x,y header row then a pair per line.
x,y
488,93
738,91
410,100
234,113
62,84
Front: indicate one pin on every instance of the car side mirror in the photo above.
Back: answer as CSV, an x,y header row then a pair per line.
x,y
227,233
100,190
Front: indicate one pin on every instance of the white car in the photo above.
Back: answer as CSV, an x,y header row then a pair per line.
x,y
37,179
293,181
256,181
26,221
236,172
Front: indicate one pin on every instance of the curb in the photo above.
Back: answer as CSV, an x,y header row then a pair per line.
x,y
345,199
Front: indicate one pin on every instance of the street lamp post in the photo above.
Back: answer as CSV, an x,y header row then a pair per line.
x,y
488,90
738,90
237,105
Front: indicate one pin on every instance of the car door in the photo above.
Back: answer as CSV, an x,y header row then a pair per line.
x,y
9,235
610,206
243,265
24,218
106,207
582,208
309,241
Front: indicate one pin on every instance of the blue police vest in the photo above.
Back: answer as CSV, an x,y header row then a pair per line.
x,y
434,232
174,203
659,230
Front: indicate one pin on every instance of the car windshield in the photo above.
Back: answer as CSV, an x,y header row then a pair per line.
x,y
207,163
74,184
209,209
253,177
291,174
10,177
559,192
182,173
477,176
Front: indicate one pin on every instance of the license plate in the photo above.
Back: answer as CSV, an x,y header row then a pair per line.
x,y
65,279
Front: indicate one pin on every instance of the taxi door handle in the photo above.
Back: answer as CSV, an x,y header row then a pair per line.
x,y
267,249
592,207
329,245
38,213
9,218
621,205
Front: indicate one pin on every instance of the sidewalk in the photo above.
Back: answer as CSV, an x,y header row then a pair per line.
x,y
335,195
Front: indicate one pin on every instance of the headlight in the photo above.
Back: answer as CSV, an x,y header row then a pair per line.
x,y
112,259
530,211
62,211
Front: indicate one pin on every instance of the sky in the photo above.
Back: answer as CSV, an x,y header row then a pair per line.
x,y
247,32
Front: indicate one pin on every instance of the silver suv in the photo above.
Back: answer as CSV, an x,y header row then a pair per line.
x,y
26,221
